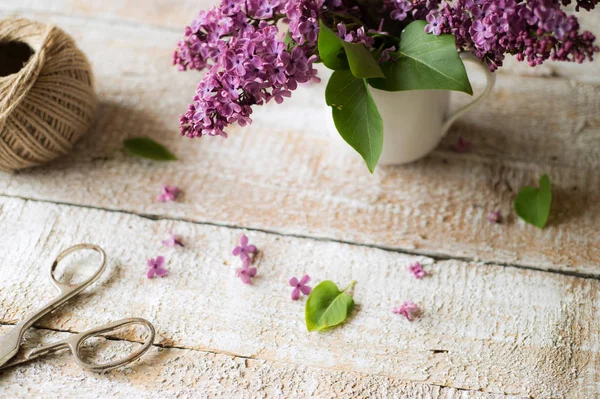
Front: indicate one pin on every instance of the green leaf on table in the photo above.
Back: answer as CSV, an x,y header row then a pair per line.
x,y
331,49
337,54
355,115
533,204
327,306
424,62
147,148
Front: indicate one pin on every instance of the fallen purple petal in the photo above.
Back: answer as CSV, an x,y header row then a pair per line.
x,y
246,273
244,251
155,267
168,194
462,145
417,270
494,217
172,241
300,286
408,309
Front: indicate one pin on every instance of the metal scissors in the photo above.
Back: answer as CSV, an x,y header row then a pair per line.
x,y
11,342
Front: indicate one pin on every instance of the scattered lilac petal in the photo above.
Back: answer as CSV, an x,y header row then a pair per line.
x,y
246,273
408,310
155,267
462,145
168,194
494,217
417,270
244,251
172,241
300,286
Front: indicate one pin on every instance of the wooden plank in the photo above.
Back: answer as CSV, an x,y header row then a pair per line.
x,y
490,328
290,167
176,14
176,373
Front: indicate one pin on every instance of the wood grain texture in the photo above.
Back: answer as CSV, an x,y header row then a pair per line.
x,y
487,331
176,14
288,173
182,373
490,328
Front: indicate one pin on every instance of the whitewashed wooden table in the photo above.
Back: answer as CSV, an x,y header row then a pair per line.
x,y
509,310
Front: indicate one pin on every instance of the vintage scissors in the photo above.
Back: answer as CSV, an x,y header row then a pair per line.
x,y
11,342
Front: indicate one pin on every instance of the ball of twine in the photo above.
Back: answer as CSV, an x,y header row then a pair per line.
x,y
47,104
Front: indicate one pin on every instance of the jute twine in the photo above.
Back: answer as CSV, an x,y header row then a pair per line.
x,y
47,105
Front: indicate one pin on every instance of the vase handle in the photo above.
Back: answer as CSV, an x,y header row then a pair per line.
x,y
490,80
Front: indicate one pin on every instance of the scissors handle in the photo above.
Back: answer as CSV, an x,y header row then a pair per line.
x,y
67,291
107,328
76,342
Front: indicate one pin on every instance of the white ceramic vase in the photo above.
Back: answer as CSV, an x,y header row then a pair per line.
x,y
414,122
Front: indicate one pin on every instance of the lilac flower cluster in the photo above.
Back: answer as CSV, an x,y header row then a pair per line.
x,y
246,253
400,10
535,31
248,60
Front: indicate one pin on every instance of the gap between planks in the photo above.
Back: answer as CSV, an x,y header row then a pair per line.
x,y
237,356
545,348
432,255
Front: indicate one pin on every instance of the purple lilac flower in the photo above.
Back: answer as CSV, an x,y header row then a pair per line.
x,y
535,31
155,267
172,241
494,217
385,54
251,68
168,194
248,64
246,273
462,145
408,310
417,270
244,251
434,23
342,33
300,286
409,10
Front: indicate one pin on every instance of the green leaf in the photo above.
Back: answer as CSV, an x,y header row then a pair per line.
x,y
362,62
327,306
424,62
147,148
331,49
355,115
533,204
288,40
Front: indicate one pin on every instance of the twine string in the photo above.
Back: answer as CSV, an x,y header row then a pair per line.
x,y
49,103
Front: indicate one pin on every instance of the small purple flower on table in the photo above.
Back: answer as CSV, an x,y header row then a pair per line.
x,y
300,286
244,251
408,310
462,145
168,194
494,217
172,241
417,270
155,267
246,273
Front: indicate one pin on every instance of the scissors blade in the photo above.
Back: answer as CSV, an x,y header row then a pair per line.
x,y
9,345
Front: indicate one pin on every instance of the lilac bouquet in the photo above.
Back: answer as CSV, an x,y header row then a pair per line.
x,y
256,51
